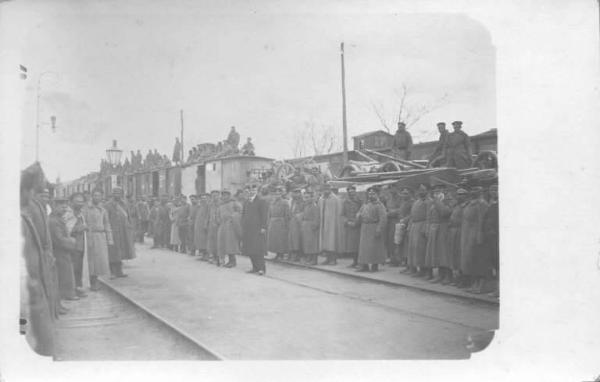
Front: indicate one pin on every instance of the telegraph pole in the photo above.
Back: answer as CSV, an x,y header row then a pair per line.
x,y
345,156
181,118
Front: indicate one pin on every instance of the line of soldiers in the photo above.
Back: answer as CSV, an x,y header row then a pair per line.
x,y
447,236
62,241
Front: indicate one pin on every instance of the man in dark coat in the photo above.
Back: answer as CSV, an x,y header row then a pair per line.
x,y
78,232
122,230
143,214
177,154
36,315
254,229
440,148
233,139
295,226
491,235
458,148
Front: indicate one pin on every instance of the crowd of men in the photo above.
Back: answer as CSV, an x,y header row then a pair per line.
x,y
445,235
67,244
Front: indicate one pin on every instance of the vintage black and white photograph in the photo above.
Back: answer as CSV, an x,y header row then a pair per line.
x,y
224,182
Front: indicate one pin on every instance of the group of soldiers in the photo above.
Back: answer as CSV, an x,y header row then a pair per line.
x,y
446,235
67,243
453,148
229,146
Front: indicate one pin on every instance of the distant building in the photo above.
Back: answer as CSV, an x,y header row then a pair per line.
x,y
373,140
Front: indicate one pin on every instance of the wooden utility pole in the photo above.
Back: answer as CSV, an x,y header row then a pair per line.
x,y
182,152
345,135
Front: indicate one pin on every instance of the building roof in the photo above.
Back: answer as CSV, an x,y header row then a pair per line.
x,y
372,133
486,134
232,157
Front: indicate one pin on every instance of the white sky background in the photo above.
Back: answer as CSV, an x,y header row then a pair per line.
x,y
125,72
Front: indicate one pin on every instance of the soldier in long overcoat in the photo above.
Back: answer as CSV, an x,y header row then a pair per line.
x,y
63,245
436,252
228,239
99,237
491,235
279,220
350,207
122,231
254,229
474,263
201,227
417,240
372,218
162,224
36,317
310,228
453,237
393,203
213,226
295,231
330,235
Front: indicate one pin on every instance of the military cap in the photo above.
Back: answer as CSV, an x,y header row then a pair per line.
x,y
215,192
225,191
404,192
297,190
476,189
441,123
401,124
422,187
461,191
457,123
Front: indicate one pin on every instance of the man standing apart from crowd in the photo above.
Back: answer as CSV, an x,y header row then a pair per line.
x,y
330,237
254,229
201,227
279,220
63,245
295,232
417,241
350,224
402,142
79,232
372,218
458,148
213,227
122,231
99,237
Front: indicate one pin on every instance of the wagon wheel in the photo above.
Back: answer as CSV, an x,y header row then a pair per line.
x,y
284,171
390,166
486,160
349,170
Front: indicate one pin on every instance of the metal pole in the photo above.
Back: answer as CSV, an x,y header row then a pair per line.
x,y
37,121
345,156
182,152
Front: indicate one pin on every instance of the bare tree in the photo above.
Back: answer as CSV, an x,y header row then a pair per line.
x,y
313,139
408,111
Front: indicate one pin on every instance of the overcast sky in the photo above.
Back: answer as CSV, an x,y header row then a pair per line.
x,y
124,73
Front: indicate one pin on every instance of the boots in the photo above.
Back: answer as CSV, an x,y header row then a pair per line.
x,y
313,259
231,263
374,267
94,285
119,270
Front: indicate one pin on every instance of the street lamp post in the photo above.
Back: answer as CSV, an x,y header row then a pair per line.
x,y
113,154
37,116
